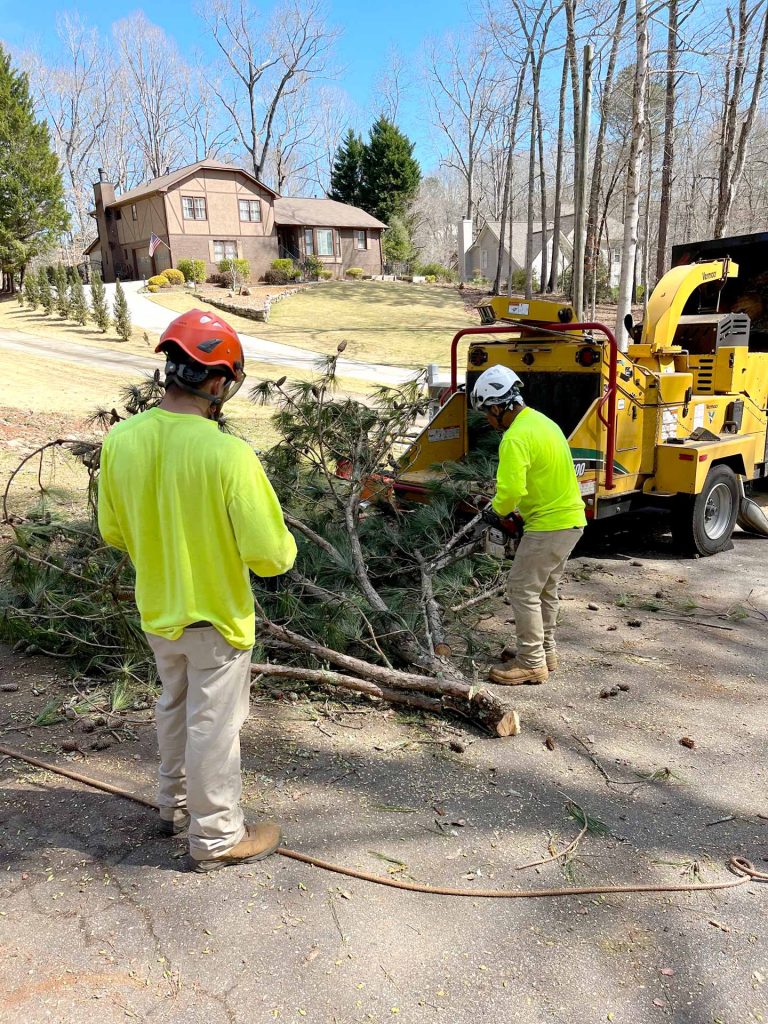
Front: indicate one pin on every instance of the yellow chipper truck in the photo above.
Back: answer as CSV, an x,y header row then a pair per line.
x,y
677,422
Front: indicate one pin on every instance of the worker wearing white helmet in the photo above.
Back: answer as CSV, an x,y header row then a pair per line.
x,y
537,480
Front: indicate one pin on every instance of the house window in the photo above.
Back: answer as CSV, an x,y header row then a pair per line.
x,y
134,214
361,239
224,251
483,259
250,210
309,242
617,255
325,242
193,207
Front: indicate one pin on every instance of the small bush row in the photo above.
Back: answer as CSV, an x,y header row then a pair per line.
x,y
60,289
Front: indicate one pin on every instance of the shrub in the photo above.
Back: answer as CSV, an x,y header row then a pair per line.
x,y
31,290
355,273
173,276
152,288
235,273
430,278
99,302
78,307
62,291
436,270
45,291
193,270
313,267
215,279
275,277
122,314
288,267
325,275
159,280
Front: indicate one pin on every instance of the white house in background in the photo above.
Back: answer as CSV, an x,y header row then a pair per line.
x,y
481,256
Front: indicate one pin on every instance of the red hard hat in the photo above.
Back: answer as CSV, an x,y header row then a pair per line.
x,y
208,340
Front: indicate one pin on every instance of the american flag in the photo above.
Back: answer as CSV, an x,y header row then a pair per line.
x,y
154,242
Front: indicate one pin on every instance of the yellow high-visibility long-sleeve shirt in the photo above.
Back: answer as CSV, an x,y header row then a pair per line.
x,y
195,511
536,475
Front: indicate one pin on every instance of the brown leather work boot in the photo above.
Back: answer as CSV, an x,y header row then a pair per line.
x,y
553,661
512,675
259,841
173,820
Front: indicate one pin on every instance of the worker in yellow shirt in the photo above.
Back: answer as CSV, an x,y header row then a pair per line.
x,y
194,510
537,480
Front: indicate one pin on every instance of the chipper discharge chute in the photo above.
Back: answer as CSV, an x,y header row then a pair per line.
x,y
676,423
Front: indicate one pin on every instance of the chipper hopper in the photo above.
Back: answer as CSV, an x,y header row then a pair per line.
x,y
677,422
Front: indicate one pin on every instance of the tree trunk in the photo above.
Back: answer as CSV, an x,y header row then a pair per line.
x,y
592,247
634,167
503,223
668,161
543,198
735,145
554,270
570,51
482,708
531,194
509,178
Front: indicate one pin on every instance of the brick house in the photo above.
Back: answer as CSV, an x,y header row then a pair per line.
x,y
213,211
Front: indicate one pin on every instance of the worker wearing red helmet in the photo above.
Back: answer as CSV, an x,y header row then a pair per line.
x,y
194,510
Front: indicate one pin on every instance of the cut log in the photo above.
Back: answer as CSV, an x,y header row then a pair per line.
x,y
478,705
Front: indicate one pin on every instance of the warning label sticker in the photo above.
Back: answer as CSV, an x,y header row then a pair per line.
x,y
518,308
443,434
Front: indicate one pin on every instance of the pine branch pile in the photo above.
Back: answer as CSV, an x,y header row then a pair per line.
x,y
368,604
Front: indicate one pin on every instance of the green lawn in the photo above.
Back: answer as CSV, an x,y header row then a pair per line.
x,y
381,321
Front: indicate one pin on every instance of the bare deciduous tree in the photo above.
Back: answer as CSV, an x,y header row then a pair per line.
x,y
468,93
70,94
156,78
634,166
264,66
735,137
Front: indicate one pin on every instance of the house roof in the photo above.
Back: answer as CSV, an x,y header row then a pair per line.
x,y
613,229
92,247
167,181
322,212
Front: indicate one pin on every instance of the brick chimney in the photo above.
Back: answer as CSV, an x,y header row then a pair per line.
x,y
104,196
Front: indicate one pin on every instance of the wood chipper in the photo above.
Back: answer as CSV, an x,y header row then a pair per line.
x,y
676,423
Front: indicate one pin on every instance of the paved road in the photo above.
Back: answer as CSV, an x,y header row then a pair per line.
x,y
153,317
73,352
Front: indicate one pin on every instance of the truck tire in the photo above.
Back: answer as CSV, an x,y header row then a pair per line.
x,y
702,524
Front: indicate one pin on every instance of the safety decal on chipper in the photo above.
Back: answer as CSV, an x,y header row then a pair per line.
x,y
437,434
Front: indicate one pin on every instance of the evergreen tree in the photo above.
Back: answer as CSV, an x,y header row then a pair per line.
x,y
99,302
391,175
78,307
32,210
122,314
62,291
31,290
45,291
397,244
347,172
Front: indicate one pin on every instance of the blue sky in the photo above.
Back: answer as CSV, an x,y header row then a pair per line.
x,y
370,28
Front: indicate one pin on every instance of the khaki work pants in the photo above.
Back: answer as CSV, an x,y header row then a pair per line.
x,y
532,591
202,707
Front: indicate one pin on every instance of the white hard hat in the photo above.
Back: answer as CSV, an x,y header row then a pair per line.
x,y
497,385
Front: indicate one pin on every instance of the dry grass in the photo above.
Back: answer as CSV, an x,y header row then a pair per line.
x,y
16,318
381,321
